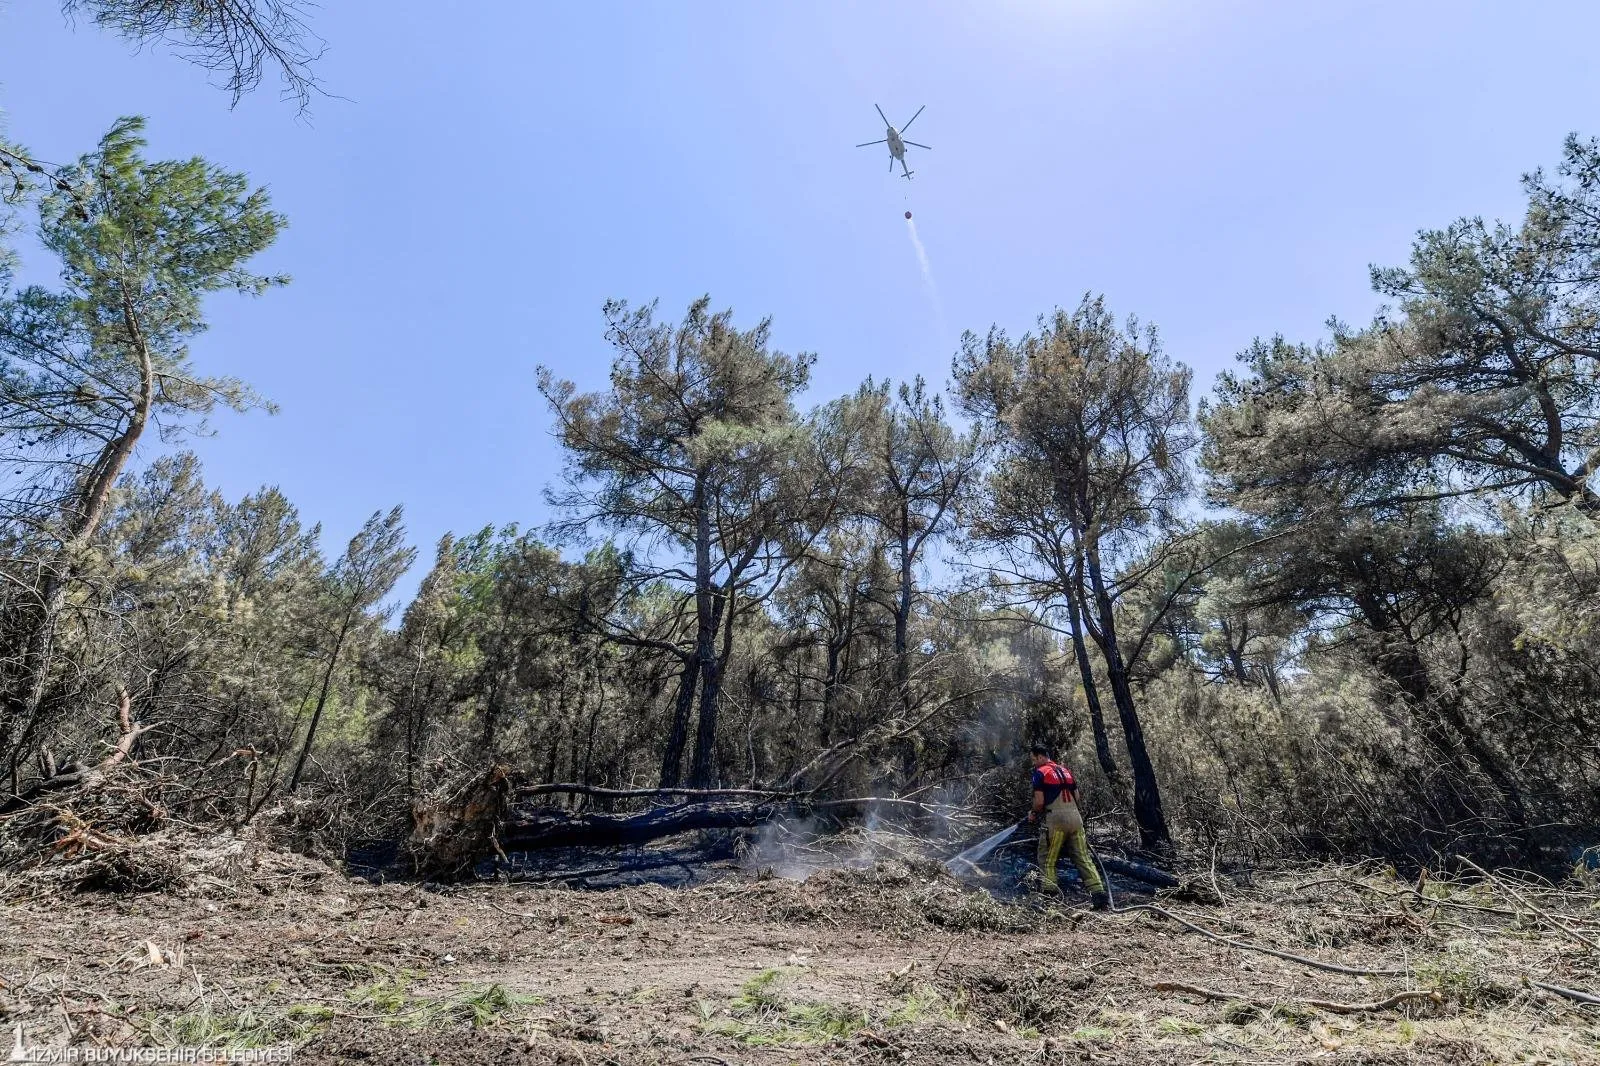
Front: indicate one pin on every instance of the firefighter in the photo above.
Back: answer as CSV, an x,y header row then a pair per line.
x,y
1055,810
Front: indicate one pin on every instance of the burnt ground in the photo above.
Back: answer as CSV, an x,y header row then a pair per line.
x,y
894,963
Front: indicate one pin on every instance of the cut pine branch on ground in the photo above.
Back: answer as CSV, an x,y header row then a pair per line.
x,y
1331,1006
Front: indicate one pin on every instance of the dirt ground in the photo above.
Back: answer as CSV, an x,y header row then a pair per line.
x,y
896,963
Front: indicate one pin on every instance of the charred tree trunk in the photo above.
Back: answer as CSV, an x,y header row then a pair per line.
x,y
598,687
553,827
480,819
706,618
704,772
678,734
415,721
1269,676
902,613
1236,664
830,683
1147,809
491,709
838,653
1091,695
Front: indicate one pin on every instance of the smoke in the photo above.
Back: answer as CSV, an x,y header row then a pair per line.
x,y
927,279
796,848
784,846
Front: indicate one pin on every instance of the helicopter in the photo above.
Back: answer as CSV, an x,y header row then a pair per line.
x,y
897,143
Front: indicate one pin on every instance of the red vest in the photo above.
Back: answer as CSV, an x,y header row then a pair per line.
x,y
1052,777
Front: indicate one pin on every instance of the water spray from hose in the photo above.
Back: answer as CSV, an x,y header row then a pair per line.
x,y
968,860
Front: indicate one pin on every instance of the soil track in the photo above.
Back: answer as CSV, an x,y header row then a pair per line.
x,y
894,964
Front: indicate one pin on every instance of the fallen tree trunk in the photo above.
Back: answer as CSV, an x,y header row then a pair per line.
x,y
481,819
529,829
533,828
596,791
1138,871
486,817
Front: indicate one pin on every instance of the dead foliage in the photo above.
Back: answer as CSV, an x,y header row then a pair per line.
x,y
890,962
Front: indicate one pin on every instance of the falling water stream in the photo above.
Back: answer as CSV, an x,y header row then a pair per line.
x,y
927,278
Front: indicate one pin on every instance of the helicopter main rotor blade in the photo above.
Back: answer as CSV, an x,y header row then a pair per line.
x,y
914,144
870,143
913,118
881,115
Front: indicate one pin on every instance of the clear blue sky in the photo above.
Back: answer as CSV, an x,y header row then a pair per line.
x,y
498,169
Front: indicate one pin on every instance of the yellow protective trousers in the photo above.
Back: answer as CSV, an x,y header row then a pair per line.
x,y
1062,824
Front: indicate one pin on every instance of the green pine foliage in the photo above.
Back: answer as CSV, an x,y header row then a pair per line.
x,y
1345,607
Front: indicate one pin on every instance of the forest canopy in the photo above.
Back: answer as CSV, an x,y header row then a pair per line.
x,y
1344,604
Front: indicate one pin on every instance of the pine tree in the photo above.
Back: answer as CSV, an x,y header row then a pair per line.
x,y
89,366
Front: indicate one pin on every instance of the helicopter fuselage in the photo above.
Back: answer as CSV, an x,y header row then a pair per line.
x,y
897,143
